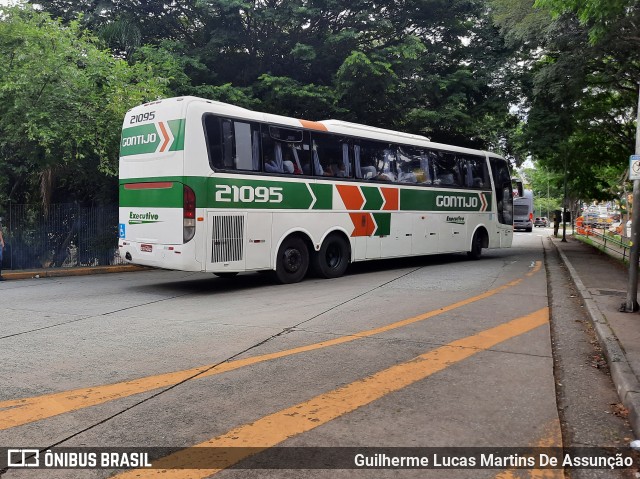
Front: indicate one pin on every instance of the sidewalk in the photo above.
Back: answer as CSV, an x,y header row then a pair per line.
x,y
75,271
602,283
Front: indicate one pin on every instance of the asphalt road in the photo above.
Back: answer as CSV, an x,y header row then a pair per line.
x,y
428,352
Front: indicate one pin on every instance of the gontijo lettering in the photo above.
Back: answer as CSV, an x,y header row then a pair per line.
x,y
448,201
139,139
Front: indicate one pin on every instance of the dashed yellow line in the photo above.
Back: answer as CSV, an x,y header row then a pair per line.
x,y
18,412
249,439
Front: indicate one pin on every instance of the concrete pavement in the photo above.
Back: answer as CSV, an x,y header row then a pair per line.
x,y
601,281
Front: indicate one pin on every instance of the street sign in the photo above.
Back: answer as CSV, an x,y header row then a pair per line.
x,y
634,167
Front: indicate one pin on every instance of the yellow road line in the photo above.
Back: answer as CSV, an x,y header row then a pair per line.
x,y
275,428
553,438
17,412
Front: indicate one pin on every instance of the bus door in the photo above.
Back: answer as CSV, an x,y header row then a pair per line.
x,y
503,193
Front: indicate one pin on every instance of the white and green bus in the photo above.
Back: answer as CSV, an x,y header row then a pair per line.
x,y
208,186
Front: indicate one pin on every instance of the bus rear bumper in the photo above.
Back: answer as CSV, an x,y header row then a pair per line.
x,y
167,256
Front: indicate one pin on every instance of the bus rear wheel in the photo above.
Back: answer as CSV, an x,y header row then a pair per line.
x,y
333,258
292,261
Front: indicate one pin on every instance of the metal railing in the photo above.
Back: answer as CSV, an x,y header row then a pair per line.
x,y
613,244
64,235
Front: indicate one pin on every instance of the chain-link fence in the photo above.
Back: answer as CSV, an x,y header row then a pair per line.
x,y
64,235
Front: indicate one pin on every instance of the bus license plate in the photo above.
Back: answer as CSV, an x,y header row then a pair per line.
x,y
147,248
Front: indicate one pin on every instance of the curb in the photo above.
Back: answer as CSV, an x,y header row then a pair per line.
x,y
624,379
82,271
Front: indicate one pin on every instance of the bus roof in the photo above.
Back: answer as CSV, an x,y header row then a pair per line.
x,y
330,126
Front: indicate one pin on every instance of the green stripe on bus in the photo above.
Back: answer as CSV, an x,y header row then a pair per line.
x,y
443,200
383,220
258,194
324,196
373,198
153,138
177,130
250,193
139,140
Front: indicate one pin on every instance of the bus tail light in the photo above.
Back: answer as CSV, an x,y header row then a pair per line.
x,y
188,214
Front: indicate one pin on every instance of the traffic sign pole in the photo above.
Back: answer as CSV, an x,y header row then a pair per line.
x,y
631,303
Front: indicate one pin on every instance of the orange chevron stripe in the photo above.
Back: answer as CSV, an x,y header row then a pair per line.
x,y
166,136
485,203
363,224
391,197
351,196
313,125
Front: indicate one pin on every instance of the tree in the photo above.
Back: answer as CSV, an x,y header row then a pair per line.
x,y
547,190
579,89
427,66
62,100
599,16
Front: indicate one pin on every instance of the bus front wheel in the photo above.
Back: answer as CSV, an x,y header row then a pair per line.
x,y
333,258
292,261
476,246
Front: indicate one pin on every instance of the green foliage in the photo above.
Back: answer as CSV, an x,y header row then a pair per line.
x,y
62,100
598,15
547,190
579,89
488,74
297,99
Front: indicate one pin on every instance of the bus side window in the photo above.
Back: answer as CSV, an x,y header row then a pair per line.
x,y
330,156
282,156
446,169
232,145
409,166
387,168
213,136
298,155
475,171
272,159
245,151
375,161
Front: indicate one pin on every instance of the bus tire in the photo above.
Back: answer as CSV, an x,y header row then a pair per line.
x,y
476,246
292,261
333,258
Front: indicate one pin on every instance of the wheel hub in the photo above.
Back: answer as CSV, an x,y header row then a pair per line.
x,y
292,260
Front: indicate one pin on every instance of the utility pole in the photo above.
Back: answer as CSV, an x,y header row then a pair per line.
x,y
631,304
547,195
564,203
